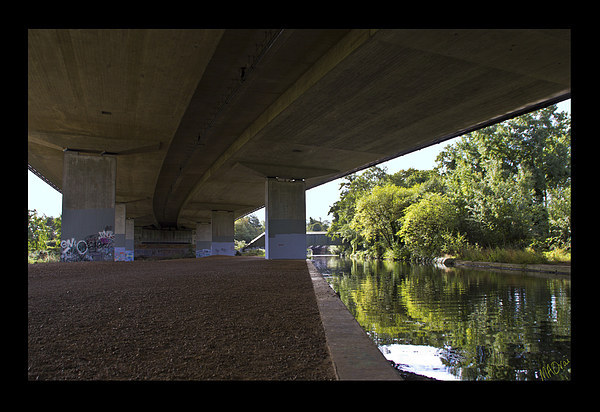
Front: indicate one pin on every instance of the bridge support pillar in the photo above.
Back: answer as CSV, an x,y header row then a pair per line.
x,y
88,207
222,233
123,238
203,239
129,240
285,219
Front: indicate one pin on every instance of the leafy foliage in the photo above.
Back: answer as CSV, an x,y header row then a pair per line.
x,y
315,225
428,224
246,229
379,213
343,210
43,235
507,185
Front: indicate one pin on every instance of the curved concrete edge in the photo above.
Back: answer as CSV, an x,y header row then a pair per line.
x,y
355,356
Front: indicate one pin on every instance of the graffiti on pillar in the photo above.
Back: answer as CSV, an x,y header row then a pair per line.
x,y
99,246
202,253
72,251
123,255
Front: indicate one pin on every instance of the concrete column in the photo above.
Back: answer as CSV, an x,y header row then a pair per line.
x,y
203,239
119,236
129,240
222,233
285,219
88,209
123,240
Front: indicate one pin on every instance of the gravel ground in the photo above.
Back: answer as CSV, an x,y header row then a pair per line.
x,y
216,318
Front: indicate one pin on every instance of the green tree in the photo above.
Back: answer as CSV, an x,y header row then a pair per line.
x,y
37,231
500,177
54,225
502,210
411,177
315,225
247,228
539,144
379,213
343,211
505,185
559,212
428,224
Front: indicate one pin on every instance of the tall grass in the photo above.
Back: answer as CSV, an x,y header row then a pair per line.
x,y
558,256
519,256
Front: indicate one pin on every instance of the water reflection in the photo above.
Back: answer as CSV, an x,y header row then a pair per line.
x,y
458,323
421,359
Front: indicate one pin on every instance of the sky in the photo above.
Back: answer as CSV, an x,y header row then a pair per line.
x,y
47,201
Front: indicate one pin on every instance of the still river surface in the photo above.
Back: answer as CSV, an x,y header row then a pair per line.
x,y
459,323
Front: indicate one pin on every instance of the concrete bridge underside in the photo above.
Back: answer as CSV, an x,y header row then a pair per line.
x,y
186,130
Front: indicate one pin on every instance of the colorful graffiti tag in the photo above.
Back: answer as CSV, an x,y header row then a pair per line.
x,y
123,255
202,253
94,247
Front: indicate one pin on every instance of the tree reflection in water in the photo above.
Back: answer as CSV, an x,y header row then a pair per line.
x,y
480,325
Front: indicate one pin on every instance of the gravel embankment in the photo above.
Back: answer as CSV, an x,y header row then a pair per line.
x,y
216,318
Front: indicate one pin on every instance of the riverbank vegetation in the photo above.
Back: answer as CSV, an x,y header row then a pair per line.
x,y
246,229
502,193
43,237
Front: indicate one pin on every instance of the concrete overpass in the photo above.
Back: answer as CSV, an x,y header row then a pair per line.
x,y
182,131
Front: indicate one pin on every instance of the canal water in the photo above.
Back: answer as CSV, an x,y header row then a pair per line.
x,y
459,323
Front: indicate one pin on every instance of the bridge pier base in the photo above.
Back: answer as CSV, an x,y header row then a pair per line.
x,y
203,239
88,207
123,237
285,219
222,233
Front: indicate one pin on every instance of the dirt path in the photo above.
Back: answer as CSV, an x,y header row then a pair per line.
x,y
224,318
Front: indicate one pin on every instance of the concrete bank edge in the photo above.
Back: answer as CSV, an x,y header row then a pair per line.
x,y
558,269
355,356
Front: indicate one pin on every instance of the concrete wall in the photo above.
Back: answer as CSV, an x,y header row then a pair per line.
x,y
215,238
222,233
123,247
88,210
163,243
129,242
203,239
165,236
